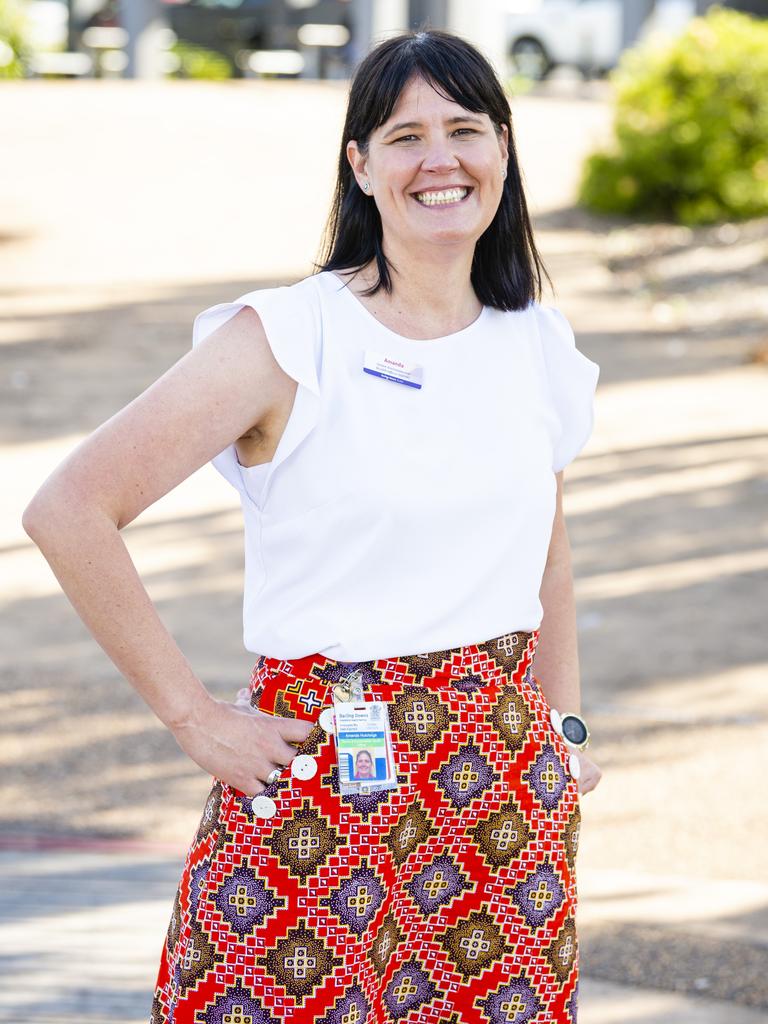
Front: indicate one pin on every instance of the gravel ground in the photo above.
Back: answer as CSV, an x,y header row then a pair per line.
x,y
663,958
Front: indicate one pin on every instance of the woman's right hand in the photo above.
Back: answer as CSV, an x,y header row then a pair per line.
x,y
239,744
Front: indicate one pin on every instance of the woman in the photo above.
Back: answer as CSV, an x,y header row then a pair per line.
x,y
396,426
364,765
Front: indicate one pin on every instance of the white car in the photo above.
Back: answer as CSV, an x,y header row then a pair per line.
x,y
587,34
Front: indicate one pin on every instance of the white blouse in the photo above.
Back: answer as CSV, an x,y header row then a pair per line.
x,y
400,519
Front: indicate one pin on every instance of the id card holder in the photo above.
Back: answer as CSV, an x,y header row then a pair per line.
x,y
363,735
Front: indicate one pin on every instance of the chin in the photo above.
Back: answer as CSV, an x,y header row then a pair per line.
x,y
452,238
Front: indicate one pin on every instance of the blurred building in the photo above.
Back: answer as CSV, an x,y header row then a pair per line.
x,y
326,38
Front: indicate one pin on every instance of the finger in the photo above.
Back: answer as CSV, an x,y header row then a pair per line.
x,y
281,752
275,748
587,784
250,784
282,768
294,730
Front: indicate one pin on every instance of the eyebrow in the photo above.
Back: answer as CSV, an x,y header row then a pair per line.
x,y
418,124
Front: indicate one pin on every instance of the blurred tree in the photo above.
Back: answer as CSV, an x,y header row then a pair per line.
x,y
14,50
691,127
199,62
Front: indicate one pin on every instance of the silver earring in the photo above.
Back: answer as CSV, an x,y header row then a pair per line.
x,y
366,186
503,174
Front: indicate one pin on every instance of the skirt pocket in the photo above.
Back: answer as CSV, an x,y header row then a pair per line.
x,y
313,757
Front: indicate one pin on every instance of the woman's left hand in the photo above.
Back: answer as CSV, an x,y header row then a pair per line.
x,y
590,773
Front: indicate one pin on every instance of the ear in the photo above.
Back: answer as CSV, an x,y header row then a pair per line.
x,y
357,161
504,143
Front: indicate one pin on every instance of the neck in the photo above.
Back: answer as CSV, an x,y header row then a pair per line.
x,y
434,286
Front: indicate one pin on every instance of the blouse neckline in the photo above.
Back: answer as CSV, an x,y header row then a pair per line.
x,y
366,313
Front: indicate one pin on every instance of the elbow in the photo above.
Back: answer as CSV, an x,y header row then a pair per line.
x,y
37,517
66,502
57,508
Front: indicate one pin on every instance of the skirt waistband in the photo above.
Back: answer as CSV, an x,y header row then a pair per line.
x,y
502,655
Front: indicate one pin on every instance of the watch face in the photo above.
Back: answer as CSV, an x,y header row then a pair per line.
x,y
574,729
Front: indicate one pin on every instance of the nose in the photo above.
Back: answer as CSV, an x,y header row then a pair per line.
x,y
440,157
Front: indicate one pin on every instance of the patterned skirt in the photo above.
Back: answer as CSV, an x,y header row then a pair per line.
x,y
450,898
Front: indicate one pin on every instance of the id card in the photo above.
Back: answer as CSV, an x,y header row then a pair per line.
x,y
364,746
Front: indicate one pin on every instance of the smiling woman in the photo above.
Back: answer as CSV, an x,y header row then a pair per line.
x,y
477,170
392,825
432,131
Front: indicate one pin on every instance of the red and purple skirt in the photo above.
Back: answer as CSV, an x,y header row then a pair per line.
x,y
450,899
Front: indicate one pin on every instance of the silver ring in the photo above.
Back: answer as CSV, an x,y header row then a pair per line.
x,y
274,775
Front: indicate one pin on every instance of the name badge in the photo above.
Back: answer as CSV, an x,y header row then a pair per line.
x,y
396,370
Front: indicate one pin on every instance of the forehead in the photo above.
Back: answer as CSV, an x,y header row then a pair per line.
x,y
420,99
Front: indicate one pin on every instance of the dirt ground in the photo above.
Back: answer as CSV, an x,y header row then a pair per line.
x,y
127,208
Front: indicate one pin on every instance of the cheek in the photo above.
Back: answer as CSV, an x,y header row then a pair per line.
x,y
493,184
490,168
486,162
399,173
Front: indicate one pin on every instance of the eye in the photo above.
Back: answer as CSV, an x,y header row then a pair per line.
x,y
470,131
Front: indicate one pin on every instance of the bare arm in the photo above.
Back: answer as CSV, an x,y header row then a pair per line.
x,y
556,662
210,397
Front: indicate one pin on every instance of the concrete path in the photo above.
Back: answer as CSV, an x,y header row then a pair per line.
x,y
83,930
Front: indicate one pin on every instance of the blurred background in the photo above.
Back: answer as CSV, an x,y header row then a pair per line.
x,y
320,38
160,157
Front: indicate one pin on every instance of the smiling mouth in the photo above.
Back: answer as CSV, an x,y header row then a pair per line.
x,y
445,197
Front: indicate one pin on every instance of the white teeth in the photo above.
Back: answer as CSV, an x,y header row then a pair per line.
x,y
450,195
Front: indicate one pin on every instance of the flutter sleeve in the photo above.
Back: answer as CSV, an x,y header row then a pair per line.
x,y
291,321
571,380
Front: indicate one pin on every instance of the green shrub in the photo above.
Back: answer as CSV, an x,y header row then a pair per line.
x,y
518,85
691,127
14,52
197,62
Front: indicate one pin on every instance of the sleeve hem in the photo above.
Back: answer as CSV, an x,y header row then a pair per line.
x,y
292,331
572,380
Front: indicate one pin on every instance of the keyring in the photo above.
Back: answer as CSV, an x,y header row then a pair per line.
x,y
274,775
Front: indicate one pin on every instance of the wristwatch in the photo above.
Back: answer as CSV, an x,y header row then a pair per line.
x,y
571,727
574,730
